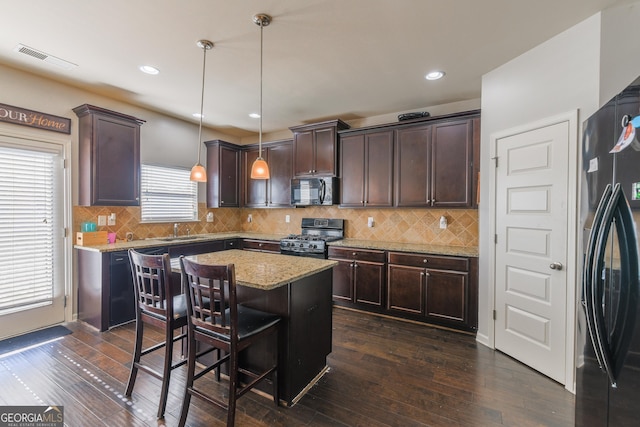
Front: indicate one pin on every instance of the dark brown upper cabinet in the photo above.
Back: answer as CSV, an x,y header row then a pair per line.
x,y
109,157
274,192
223,174
315,148
366,168
436,164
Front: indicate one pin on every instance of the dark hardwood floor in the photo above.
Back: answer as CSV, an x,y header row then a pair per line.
x,y
383,372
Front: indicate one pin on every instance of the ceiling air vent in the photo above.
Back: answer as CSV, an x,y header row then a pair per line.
x,y
34,53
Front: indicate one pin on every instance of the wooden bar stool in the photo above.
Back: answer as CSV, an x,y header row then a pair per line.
x,y
229,327
156,305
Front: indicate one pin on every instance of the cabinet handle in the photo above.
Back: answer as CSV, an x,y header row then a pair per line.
x,y
310,171
433,201
424,261
314,171
221,201
352,264
231,244
353,254
260,244
422,274
355,264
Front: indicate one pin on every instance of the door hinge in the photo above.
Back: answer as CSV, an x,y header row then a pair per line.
x,y
64,164
495,314
65,232
496,159
495,238
65,300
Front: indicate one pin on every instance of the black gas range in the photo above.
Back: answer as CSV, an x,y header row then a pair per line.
x,y
312,241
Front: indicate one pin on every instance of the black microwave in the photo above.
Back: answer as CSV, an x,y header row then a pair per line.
x,y
314,191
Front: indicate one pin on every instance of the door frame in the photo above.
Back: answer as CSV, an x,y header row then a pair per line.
x,y
572,236
29,134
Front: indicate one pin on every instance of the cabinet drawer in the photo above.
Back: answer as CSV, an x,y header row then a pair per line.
x,y
429,261
356,254
261,245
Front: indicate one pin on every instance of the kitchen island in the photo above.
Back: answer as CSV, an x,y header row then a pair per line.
x,y
300,291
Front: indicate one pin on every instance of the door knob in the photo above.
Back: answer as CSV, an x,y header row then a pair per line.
x,y
556,266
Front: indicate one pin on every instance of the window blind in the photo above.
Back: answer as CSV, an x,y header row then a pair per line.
x,y
27,223
167,194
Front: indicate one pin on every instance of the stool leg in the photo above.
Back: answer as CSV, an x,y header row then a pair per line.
x,y
137,350
166,374
233,388
191,368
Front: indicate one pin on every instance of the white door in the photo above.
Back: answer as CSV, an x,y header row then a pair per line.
x,y
531,247
32,265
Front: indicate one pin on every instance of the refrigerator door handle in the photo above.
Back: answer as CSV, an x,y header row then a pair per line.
x,y
597,289
625,316
588,269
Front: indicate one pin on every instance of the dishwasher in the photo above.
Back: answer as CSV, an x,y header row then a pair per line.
x,y
122,304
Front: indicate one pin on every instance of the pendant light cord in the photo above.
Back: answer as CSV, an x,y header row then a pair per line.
x,y
204,65
261,50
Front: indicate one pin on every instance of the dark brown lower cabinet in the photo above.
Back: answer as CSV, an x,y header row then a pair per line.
x,y
359,276
436,289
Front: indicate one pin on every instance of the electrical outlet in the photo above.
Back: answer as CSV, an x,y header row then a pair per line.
x,y
370,221
443,222
287,219
102,220
111,220
249,218
210,217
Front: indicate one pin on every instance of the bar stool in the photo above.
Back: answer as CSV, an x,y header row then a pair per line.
x,y
228,327
156,305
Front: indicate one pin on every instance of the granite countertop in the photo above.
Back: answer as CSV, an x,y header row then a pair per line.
x,y
353,243
408,247
264,270
182,240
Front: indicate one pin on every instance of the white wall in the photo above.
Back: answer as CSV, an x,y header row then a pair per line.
x,y
556,77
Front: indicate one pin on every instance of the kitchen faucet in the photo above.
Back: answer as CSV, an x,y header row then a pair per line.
x,y
175,229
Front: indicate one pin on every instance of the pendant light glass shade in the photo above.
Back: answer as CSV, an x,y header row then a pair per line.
x,y
198,172
260,168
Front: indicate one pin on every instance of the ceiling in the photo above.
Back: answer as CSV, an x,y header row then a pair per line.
x,y
323,59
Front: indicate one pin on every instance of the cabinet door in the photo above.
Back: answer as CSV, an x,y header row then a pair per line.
x,y
280,168
303,153
116,162
229,177
368,282
451,164
412,167
405,289
255,190
378,179
352,171
343,281
447,295
325,152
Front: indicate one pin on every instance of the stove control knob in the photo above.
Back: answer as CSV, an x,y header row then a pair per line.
x,y
301,244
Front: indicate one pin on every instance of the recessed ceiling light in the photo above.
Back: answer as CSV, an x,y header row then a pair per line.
x,y
148,69
434,75
196,115
254,115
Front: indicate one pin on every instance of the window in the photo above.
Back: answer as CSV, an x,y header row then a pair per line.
x,y
167,195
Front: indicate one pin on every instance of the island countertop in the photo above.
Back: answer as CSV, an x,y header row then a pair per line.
x,y
263,270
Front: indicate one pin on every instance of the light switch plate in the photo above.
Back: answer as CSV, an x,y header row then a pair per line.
x,y
287,219
111,220
102,220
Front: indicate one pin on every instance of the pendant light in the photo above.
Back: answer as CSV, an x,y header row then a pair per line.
x,y
260,169
198,172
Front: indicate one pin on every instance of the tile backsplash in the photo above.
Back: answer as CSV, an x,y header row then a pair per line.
x,y
396,225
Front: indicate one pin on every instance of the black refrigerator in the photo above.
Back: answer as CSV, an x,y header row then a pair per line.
x,y
608,324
